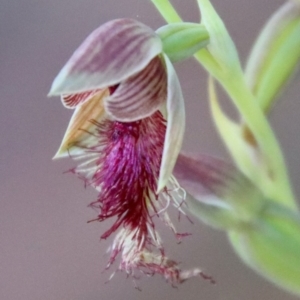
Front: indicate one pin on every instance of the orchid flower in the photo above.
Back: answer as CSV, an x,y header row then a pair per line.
x,y
127,130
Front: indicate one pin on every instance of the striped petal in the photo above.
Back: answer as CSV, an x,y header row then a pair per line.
x,y
112,53
202,175
194,174
80,130
73,100
140,95
215,182
175,126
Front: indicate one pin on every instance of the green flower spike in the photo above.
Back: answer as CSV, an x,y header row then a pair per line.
x,y
254,202
257,147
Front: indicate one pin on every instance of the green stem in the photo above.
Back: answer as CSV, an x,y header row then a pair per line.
x,y
167,10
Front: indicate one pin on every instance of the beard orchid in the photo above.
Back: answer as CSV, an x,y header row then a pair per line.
x,y
126,131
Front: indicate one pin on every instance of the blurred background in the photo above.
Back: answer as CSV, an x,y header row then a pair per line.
x,y
47,249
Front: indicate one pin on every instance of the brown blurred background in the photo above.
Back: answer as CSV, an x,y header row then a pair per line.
x,y
47,250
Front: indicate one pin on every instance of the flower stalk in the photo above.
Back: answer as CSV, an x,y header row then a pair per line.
x,y
167,10
192,38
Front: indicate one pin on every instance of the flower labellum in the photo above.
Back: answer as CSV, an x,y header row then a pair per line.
x,y
127,130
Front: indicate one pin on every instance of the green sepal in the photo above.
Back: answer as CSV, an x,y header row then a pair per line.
x,y
275,55
243,151
271,245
